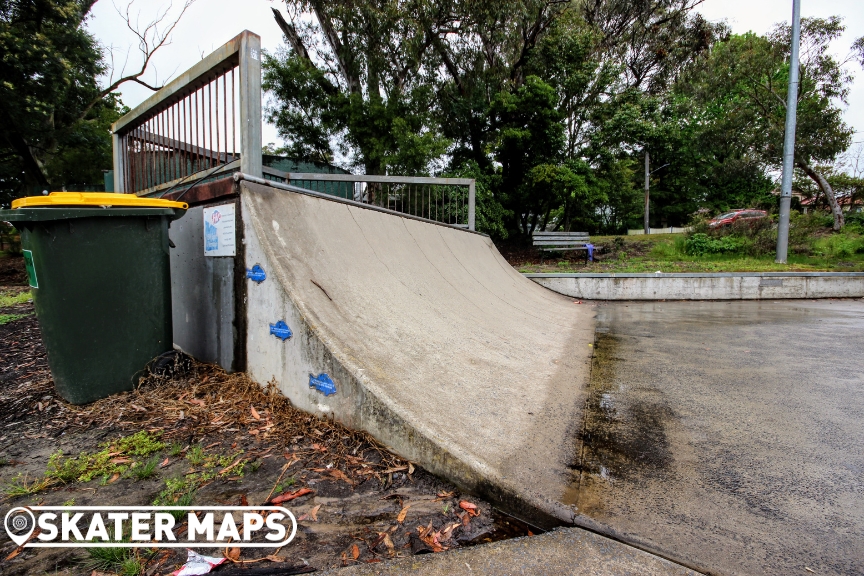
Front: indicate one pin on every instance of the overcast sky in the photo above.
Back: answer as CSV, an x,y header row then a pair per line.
x,y
208,24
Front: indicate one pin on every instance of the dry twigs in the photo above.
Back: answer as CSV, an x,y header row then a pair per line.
x,y
206,401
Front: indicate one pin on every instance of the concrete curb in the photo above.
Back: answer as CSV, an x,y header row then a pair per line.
x,y
568,551
705,286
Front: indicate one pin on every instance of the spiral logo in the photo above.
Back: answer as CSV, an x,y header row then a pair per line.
x,y
19,524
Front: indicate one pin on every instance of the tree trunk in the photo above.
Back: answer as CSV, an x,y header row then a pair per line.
x,y
823,184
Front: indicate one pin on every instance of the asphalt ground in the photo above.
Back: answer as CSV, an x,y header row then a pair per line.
x,y
729,434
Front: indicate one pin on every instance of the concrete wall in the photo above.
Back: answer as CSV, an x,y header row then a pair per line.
x,y
288,362
202,295
720,286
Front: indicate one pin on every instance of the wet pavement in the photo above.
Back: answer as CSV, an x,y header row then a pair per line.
x,y
729,434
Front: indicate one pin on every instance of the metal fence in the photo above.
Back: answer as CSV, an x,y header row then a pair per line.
x,y
446,200
207,122
202,122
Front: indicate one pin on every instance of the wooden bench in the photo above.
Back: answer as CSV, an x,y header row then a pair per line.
x,y
564,241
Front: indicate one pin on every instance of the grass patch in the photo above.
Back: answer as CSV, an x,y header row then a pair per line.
x,y
179,492
196,455
812,249
144,470
20,485
121,561
7,318
284,485
115,457
8,299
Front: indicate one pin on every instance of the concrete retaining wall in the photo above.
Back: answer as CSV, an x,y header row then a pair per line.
x,y
719,286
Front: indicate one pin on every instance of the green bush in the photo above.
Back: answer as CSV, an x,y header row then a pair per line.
x,y
840,245
855,222
700,244
10,240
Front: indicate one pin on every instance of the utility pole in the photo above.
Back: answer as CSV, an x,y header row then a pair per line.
x,y
647,178
789,138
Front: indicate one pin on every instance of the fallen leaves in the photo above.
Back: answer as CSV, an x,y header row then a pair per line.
x,y
233,554
469,507
254,412
355,551
288,496
339,475
448,531
274,558
431,538
402,514
311,514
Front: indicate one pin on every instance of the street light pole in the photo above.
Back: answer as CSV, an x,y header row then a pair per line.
x,y
647,179
789,138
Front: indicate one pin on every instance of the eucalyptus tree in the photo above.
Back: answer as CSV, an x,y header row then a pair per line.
x,y
744,81
353,81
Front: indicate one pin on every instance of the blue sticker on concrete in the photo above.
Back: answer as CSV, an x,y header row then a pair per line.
x,y
281,330
256,273
322,383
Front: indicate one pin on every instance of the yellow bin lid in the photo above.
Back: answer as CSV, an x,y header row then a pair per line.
x,y
105,199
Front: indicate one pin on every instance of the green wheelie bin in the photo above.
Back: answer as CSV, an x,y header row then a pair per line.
x,y
98,266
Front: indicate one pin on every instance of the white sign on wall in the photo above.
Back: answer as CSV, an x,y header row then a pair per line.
x,y
219,234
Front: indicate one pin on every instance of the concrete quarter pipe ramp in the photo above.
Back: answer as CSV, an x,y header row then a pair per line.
x,y
422,335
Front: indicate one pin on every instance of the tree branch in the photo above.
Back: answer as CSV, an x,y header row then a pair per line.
x,y
292,36
836,209
146,45
336,46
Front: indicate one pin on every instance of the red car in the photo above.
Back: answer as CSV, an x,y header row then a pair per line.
x,y
730,218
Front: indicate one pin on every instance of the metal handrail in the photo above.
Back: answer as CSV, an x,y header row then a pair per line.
x,y
171,139
238,176
427,197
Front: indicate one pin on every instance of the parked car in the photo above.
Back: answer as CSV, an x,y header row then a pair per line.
x,y
730,218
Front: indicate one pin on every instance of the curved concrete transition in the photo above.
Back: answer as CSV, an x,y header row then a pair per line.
x,y
436,346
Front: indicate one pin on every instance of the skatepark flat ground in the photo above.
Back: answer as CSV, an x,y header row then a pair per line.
x,y
730,433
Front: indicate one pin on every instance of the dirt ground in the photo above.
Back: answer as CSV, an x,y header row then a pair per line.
x,y
364,504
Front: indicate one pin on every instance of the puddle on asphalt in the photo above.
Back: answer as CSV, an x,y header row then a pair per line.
x,y
622,438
